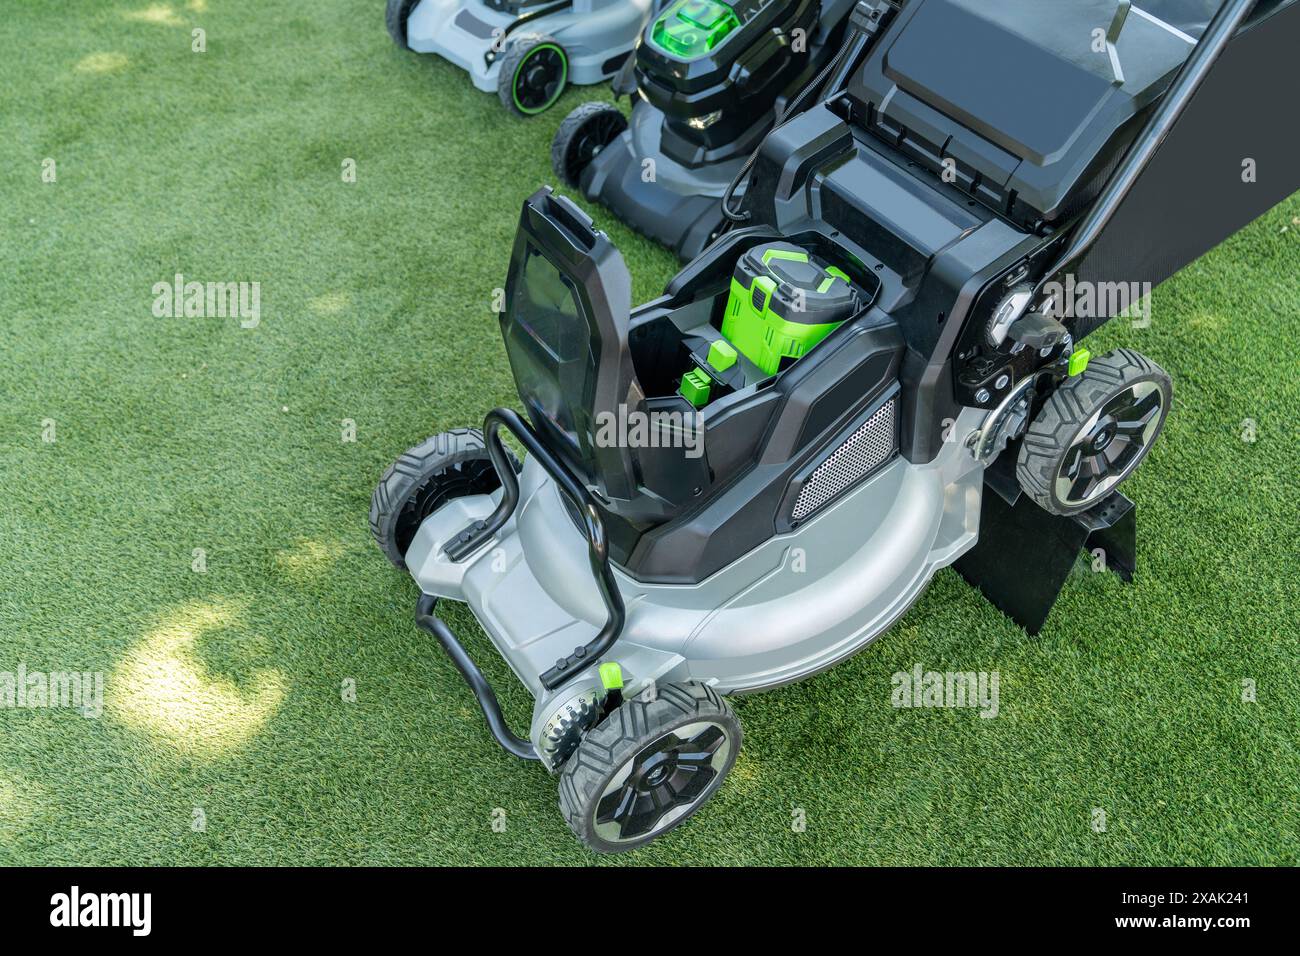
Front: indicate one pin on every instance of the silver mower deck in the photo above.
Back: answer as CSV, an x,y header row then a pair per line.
x,y
795,605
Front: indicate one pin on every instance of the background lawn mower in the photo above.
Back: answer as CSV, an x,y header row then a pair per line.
x,y
525,50
713,78
882,368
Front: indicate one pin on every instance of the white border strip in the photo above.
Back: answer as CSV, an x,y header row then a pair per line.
x,y
1161,23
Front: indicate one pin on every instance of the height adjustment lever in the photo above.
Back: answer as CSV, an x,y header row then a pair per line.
x,y
1037,330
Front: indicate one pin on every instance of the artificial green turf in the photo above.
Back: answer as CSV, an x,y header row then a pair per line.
x,y
223,687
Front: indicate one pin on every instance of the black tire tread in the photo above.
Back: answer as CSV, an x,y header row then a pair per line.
x,y
410,471
1065,412
569,128
510,63
616,740
395,16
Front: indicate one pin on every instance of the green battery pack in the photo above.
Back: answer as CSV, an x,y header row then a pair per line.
x,y
689,29
784,301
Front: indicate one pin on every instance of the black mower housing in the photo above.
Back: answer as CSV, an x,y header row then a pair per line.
x,y
751,65
748,79
859,181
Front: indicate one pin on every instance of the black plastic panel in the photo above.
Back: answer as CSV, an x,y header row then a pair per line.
x,y
742,513
1019,94
1193,194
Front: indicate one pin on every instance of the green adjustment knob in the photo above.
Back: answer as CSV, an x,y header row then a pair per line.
x,y
611,675
722,355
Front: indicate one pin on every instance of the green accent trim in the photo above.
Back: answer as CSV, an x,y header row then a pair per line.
x,y
721,356
1079,361
690,29
783,254
559,90
695,387
611,675
832,274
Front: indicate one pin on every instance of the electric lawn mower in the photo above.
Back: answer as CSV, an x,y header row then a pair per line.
x,y
525,50
711,79
875,374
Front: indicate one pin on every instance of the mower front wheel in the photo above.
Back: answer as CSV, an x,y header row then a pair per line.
x,y
534,72
1094,431
395,17
446,466
583,134
648,766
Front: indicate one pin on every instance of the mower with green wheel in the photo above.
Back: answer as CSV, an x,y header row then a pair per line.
x,y
527,51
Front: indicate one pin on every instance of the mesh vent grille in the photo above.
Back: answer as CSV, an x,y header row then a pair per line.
x,y
862,453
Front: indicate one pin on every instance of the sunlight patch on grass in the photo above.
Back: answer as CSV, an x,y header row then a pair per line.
x,y
331,303
1205,321
159,13
746,775
309,559
162,688
102,63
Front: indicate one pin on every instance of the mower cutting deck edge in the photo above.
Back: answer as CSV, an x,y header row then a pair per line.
x,y
877,372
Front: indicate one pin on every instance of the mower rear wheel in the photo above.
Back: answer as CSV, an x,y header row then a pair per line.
x,y
648,766
446,466
1094,431
534,72
583,134
395,17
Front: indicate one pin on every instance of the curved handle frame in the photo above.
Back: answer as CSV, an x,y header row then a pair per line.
x,y
483,693
473,537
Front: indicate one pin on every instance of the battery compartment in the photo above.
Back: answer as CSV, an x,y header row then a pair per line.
x,y
670,338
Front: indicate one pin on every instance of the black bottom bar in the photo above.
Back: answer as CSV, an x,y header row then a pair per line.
x,y
473,537
364,906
